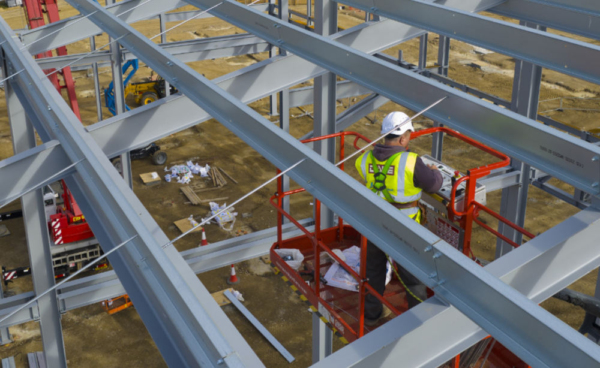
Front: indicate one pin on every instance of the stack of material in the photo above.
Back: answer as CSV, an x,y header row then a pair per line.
x,y
217,178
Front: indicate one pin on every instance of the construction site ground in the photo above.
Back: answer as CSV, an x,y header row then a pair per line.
x,y
95,339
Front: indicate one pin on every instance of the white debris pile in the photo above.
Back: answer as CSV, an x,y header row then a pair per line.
x,y
184,174
225,219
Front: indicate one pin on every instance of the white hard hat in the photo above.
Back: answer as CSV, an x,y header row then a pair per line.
x,y
395,119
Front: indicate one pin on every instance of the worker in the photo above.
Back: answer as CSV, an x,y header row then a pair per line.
x,y
398,176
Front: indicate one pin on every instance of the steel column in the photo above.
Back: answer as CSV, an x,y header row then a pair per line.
x,y
322,339
163,40
423,51
525,100
284,111
97,91
116,58
36,231
443,55
325,97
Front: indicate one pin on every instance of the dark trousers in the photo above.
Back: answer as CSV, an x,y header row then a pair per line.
x,y
376,270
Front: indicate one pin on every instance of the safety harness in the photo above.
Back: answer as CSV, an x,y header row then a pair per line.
x,y
380,177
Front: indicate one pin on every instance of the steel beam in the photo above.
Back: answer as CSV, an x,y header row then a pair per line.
x,y
186,51
589,6
471,6
538,269
146,124
97,288
524,101
510,317
185,15
533,46
41,165
564,19
75,29
184,321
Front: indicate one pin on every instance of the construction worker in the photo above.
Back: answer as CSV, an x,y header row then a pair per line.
x,y
398,176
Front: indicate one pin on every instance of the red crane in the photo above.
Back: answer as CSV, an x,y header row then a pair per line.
x,y
34,10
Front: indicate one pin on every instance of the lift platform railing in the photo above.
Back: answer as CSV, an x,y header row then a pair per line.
x,y
472,208
321,239
317,240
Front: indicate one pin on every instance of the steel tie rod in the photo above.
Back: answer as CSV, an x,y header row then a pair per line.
x,y
391,130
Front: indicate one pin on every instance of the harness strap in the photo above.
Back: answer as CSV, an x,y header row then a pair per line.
x,y
380,177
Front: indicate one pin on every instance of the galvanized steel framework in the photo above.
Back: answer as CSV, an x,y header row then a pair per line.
x,y
188,327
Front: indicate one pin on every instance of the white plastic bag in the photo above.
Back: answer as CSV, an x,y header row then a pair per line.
x,y
297,257
224,217
338,277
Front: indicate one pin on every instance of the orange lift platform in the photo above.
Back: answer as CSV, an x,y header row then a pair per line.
x,y
343,309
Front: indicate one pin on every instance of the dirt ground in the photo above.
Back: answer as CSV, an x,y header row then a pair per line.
x,y
95,339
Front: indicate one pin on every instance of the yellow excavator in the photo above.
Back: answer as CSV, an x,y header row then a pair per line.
x,y
144,92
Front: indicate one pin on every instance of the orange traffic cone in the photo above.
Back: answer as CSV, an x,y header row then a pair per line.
x,y
204,241
233,279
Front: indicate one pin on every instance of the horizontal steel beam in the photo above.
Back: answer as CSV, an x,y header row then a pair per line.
x,y
538,269
185,15
576,58
97,288
186,51
179,313
75,29
471,6
590,6
497,308
568,20
145,124
32,169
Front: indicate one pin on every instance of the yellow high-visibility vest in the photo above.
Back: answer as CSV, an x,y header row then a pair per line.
x,y
391,179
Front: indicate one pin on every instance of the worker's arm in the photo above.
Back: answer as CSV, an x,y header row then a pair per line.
x,y
427,178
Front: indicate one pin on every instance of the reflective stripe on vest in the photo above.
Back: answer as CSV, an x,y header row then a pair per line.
x,y
400,177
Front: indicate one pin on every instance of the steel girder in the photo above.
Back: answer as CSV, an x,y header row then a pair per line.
x,y
562,156
186,51
538,269
184,320
589,6
75,29
41,163
185,15
497,308
550,51
145,124
552,16
94,289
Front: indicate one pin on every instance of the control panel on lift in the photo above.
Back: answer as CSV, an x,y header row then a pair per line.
x,y
437,212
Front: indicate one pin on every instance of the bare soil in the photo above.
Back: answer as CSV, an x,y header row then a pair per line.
x,y
95,339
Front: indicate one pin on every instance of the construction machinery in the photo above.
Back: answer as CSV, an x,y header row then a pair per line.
x,y
35,10
72,242
449,214
144,92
